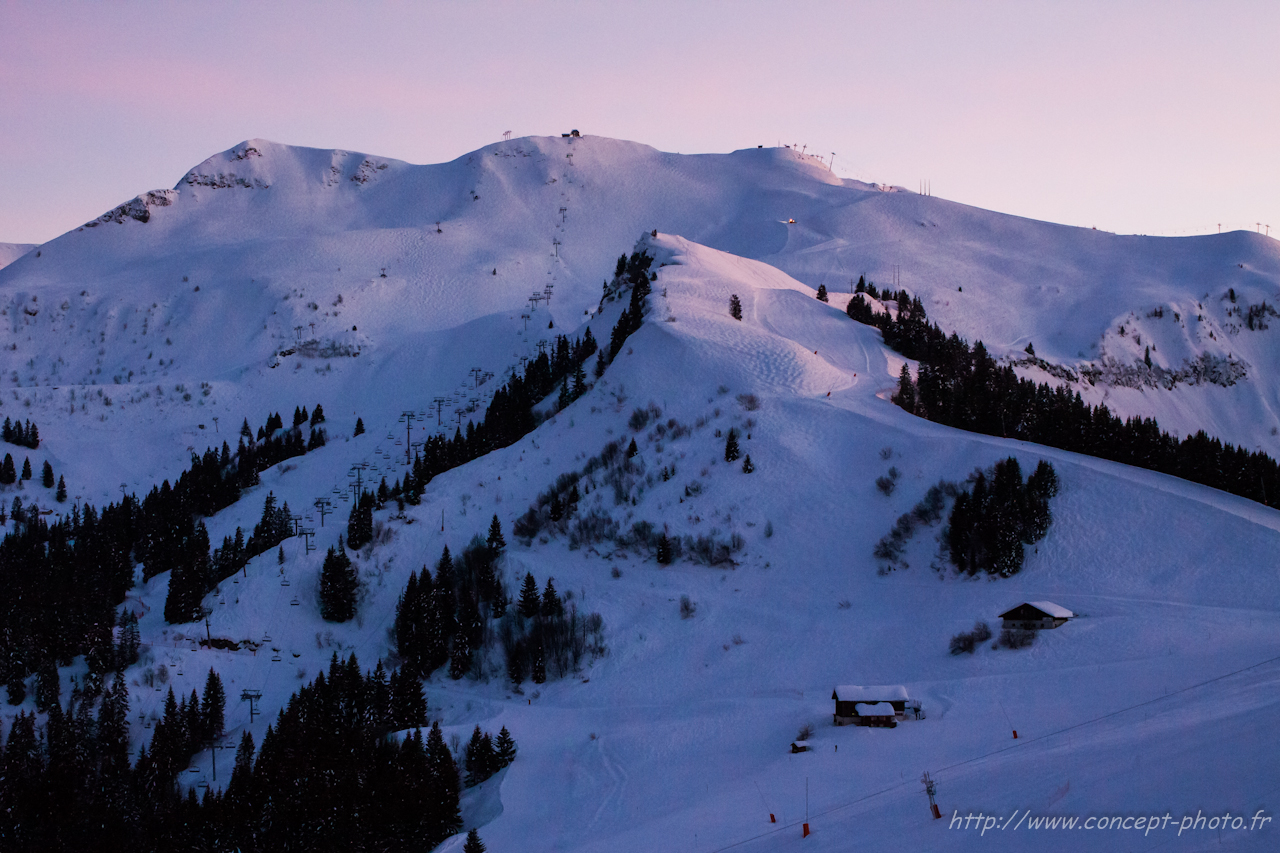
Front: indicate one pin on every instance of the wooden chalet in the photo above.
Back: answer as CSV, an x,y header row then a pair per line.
x,y
881,705
1035,615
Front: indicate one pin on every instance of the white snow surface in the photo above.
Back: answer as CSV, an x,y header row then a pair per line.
x,y
1162,697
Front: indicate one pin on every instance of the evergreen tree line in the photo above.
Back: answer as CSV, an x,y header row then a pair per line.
x,y
509,418
195,572
990,524
339,584
69,785
215,479
63,581
360,521
24,434
963,386
9,475
487,755
442,619
544,637
327,776
510,415
631,272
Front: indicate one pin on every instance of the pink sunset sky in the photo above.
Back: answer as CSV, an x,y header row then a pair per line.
x,y
1137,117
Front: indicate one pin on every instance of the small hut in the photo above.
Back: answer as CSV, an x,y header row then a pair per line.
x,y
799,746
1035,616
881,705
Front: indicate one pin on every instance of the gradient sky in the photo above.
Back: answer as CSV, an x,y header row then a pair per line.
x,y
1137,117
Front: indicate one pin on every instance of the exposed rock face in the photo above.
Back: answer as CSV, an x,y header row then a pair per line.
x,y
138,208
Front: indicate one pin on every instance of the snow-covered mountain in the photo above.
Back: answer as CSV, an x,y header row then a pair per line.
x,y
273,276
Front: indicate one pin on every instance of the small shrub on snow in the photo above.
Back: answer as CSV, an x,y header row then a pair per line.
x,y
967,641
640,418
1016,639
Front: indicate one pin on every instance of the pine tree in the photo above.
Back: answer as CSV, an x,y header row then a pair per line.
x,y
530,603
735,307
579,379
496,543
906,394
632,449
48,686
747,466
731,451
338,585
359,430
505,747
473,844
280,556
213,707
379,696
17,688
46,475
61,495
186,590
408,622
551,606
460,657
516,669
239,788
475,766
408,704
539,666
1043,482
822,293
360,522
663,551
8,473
446,774
317,415
130,641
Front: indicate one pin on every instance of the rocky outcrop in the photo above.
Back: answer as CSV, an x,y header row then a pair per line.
x,y
138,208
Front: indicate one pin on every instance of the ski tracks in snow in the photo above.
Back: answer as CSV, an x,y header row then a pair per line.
x,y
613,797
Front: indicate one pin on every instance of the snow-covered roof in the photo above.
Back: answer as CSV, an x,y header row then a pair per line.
x,y
1047,607
875,693
1054,610
874,709
800,743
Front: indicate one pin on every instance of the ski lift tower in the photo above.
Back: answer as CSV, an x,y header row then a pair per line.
x,y
931,788
252,697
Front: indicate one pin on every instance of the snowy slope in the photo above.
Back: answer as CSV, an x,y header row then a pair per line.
x,y
10,252
273,235
678,738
